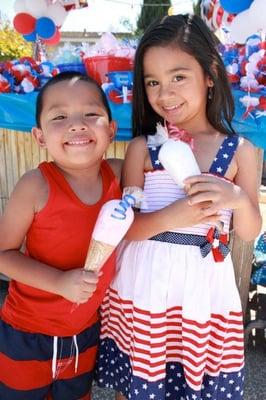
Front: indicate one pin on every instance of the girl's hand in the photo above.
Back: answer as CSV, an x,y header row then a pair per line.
x,y
220,192
77,285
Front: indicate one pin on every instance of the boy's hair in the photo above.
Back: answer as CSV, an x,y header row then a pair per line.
x,y
68,76
190,34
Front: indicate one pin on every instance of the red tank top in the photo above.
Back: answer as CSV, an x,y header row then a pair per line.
x,y
59,236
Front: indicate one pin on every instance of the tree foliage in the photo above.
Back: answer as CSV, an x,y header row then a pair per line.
x,y
151,10
196,7
12,44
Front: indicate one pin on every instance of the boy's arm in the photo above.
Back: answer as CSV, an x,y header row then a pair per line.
x,y
26,199
30,195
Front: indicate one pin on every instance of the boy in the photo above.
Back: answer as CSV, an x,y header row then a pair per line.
x,y
47,346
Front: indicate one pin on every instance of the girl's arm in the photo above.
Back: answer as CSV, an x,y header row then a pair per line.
x,y
28,197
177,215
247,218
241,196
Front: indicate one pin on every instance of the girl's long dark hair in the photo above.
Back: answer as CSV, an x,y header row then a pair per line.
x,y
190,34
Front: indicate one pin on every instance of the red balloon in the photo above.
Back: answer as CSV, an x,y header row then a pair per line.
x,y
24,23
54,39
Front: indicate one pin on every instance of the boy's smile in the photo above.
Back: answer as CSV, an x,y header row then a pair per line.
x,y
74,124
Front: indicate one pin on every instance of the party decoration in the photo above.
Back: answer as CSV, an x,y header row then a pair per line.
x,y
54,40
257,13
45,28
57,13
36,8
31,37
214,15
73,4
24,23
235,6
40,19
240,30
20,6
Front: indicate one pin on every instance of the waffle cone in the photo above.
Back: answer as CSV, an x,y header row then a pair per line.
x,y
97,255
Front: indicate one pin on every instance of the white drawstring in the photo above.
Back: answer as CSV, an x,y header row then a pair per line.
x,y
55,344
77,353
55,350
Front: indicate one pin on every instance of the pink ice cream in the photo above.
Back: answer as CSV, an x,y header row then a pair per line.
x,y
112,224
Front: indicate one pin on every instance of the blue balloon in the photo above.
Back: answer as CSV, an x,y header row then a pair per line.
x,y
235,6
45,27
31,37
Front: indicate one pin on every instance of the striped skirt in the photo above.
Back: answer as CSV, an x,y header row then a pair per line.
x,y
172,325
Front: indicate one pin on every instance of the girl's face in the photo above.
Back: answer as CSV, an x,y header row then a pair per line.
x,y
74,124
176,86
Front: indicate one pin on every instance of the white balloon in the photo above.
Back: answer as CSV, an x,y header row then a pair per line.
x,y
257,13
20,6
36,8
57,13
241,28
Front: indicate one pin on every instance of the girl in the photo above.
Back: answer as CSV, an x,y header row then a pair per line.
x,y
172,322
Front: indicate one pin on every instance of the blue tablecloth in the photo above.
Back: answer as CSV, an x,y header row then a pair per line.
x,y
17,113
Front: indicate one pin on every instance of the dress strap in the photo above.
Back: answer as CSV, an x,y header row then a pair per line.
x,y
154,151
224,155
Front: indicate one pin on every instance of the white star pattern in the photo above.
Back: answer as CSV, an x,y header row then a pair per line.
x,y
171,383
145,386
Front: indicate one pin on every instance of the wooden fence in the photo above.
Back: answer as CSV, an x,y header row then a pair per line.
x,y
19,153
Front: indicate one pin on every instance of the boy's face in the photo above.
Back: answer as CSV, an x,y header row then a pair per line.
x,y
74,124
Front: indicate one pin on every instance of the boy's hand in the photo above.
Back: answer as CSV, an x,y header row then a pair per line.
x,y
77,285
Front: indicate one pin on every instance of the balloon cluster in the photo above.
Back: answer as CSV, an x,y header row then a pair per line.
x,y
242,18
215,15
250,19
246,69
25,75
39,19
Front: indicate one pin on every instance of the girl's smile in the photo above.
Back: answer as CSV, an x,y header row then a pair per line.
x,y
176,86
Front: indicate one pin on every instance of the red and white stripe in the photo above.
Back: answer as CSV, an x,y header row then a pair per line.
x,y
160,191
151,340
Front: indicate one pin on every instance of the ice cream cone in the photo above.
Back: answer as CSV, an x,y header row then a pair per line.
x,y
97,255
112,224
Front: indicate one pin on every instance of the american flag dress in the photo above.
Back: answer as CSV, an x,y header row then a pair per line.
x,y
172,321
